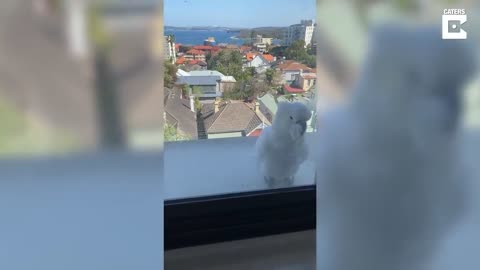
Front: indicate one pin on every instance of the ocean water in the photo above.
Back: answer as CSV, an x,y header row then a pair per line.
x,y
196,37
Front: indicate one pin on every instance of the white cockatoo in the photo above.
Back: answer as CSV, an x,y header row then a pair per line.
x,y
281,148
390,182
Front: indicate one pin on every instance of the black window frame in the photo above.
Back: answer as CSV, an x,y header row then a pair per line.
x,y
237,216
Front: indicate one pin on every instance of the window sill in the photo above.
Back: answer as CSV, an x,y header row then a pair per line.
x,y
207,202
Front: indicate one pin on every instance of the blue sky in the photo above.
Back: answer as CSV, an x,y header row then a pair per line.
x,y
237,13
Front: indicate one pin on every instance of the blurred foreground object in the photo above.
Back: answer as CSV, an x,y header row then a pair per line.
x,y
390,180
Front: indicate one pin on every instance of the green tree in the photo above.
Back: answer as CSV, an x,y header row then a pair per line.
x,y
170,74
228,63
171,134
272,76
278,51
296,51
197,92
186,90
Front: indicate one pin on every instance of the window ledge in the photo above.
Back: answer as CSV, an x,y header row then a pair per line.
x,y
207,202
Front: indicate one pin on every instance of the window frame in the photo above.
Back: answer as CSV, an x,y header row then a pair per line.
x,y
237,216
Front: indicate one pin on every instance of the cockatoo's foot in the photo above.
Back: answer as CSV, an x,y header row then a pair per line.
x,y
269,180
273,182
289,180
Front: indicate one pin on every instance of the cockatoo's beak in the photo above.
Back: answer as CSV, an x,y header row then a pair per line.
x,y
303,125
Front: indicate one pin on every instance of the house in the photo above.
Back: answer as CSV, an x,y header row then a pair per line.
x,y
245,49
268,106
261,47
233,119
211,83
261,39
194,54
179,114
290,69
292,90
305,81
207,49
260,62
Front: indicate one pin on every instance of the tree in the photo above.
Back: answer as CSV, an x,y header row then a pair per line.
x,y
197,92
170,74
171,134
228,63
272,76
185,90
296,51
278,51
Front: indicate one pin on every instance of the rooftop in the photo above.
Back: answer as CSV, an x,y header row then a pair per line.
x,y
291,65
291,89
269,101
195,52
234,116
268,57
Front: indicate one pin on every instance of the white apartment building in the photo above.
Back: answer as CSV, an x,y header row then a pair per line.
x,y
302,31
170,50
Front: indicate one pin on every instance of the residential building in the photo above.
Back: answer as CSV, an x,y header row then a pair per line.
x,y
260,39
261,47
170,49
302,31
305,81
211,83
179,114
261,62
233,119
268,106
194,54
290,69
207,49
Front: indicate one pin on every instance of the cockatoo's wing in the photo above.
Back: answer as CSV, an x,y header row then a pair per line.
x,y
263,146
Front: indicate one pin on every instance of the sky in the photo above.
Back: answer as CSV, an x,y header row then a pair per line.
x,y
238,13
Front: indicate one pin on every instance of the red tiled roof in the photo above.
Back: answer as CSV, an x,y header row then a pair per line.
x,y
269,57
203,47
177,46
256,133
181,60
293,65
251,56
196,52
197,62
293,89
245,48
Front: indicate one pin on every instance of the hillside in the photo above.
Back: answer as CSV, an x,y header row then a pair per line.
x,y
269,32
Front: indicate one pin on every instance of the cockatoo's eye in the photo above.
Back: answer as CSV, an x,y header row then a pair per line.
x,y
291,118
